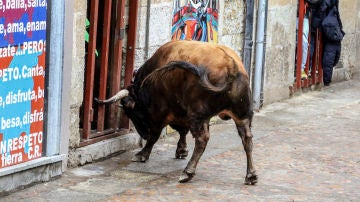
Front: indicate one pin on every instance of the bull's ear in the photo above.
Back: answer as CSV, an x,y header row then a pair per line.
x,y
128,102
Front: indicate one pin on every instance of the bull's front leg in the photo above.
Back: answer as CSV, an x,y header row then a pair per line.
x,y
244,131
143,155
201,135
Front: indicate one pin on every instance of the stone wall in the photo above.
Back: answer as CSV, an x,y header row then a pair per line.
x,y
232,24
357,41
159,25
357,36
20,180
349,63
280,50
347,66
77,76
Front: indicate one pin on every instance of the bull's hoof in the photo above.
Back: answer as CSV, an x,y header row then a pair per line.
x,y
139,158
251,179
186,176
181,154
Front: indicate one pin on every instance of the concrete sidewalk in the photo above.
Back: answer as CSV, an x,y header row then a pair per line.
x,y
306,148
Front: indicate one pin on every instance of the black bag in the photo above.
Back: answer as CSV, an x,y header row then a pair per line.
x,y
331,26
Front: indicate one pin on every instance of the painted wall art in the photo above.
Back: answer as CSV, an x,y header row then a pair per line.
x,y
195,20
22,80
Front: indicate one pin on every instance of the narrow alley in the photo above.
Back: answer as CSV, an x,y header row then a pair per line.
x,y
305,149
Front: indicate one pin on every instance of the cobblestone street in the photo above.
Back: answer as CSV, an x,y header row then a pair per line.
x,y
306,148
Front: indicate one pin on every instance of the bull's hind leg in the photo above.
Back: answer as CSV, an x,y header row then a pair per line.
x,y
181,150
201,135
243,127
144,154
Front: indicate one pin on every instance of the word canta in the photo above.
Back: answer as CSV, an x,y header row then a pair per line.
x,y
14,73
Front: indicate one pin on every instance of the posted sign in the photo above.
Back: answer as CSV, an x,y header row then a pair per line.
x,y
22,79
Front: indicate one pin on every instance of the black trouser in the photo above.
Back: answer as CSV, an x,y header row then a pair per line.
x,y
331,56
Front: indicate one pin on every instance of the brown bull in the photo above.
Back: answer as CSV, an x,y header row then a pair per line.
x,y
183,85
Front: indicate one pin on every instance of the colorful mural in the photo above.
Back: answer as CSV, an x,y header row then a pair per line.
x,y
195,20
22,79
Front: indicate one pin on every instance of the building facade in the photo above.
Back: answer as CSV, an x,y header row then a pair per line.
x,y
77,50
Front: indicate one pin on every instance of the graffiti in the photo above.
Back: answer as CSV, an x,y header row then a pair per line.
x,y
195,20
22,80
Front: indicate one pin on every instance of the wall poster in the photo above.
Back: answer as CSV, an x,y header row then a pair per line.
x,y
195,20
22,80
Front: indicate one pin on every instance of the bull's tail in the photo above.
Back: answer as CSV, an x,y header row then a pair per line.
x,y
199,71
118,96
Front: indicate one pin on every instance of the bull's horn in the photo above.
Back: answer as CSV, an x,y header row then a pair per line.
x,y
118,96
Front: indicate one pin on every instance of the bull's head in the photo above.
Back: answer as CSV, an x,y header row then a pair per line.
x,y
135,111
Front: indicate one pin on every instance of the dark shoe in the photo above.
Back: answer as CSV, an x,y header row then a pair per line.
x,y
326,84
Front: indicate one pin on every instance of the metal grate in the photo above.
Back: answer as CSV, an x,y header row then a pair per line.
x,y
104,65
316,73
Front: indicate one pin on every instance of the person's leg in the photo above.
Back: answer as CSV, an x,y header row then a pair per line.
x,y
312,48
305,46
338,53
328,61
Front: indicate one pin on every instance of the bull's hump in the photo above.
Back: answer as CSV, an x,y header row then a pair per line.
x,y
195,52
209,55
